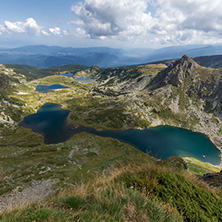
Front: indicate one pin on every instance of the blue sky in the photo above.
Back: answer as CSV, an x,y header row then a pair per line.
x,y
47,12
113,23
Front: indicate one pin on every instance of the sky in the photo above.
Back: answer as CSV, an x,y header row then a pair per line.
x,y
112,23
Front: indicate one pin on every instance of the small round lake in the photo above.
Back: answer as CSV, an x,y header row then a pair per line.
x,y
85,79
66,74
161,142
51,88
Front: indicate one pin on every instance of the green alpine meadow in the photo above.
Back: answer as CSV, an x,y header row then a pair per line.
x,y
110,111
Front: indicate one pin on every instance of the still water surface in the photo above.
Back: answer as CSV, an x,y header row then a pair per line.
x,y
161,142
51,88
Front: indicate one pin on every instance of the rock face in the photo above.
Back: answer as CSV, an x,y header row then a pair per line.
x,y
9,107
93,72
183,94
194,80
175,74
206,83
125,80
213,179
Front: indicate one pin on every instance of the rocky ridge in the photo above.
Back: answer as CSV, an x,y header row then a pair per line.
x,y
184,94
125,80
175,74
9,107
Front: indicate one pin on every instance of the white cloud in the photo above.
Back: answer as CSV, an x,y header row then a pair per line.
x,y
14,26
2,29
31,27
76,22
65,32
79,32
189,21
171,21
55,31
100,18
45,33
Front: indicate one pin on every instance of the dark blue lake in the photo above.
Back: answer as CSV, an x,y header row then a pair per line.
x,y
85,79
161,142
51,88
66,74
50,120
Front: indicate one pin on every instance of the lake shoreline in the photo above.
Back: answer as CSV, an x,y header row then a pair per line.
x,y
161,141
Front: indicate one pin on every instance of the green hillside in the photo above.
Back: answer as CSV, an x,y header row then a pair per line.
x,y
32,72
141,189
91,178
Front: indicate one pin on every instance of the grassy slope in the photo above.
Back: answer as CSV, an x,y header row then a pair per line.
x,y
136,190
24,155
25,158
199,168
32,72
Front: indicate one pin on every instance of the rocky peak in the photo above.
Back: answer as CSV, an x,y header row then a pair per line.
x,y
186,58
175,74
187,62
95,68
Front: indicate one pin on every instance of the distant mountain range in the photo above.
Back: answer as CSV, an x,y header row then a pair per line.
x,y
48,56
212,61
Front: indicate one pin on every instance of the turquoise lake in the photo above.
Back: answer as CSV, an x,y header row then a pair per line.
x,y
160,142
51,88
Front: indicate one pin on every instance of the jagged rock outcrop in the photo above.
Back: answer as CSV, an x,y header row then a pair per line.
x,y
183,94
120,81
93,72
175,74
213,179
194,80
9,106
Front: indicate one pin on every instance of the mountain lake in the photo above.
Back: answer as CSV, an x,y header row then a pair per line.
x,y
160,142
51,88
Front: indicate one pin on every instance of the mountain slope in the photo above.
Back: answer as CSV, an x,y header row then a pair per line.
x,y
89,59
32,72
175,74
58,50
184,94
205,83
135,190
47,56
137,187
214,61
9,107
116,81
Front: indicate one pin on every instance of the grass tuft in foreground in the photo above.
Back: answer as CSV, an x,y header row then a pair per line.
x,y
133,191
